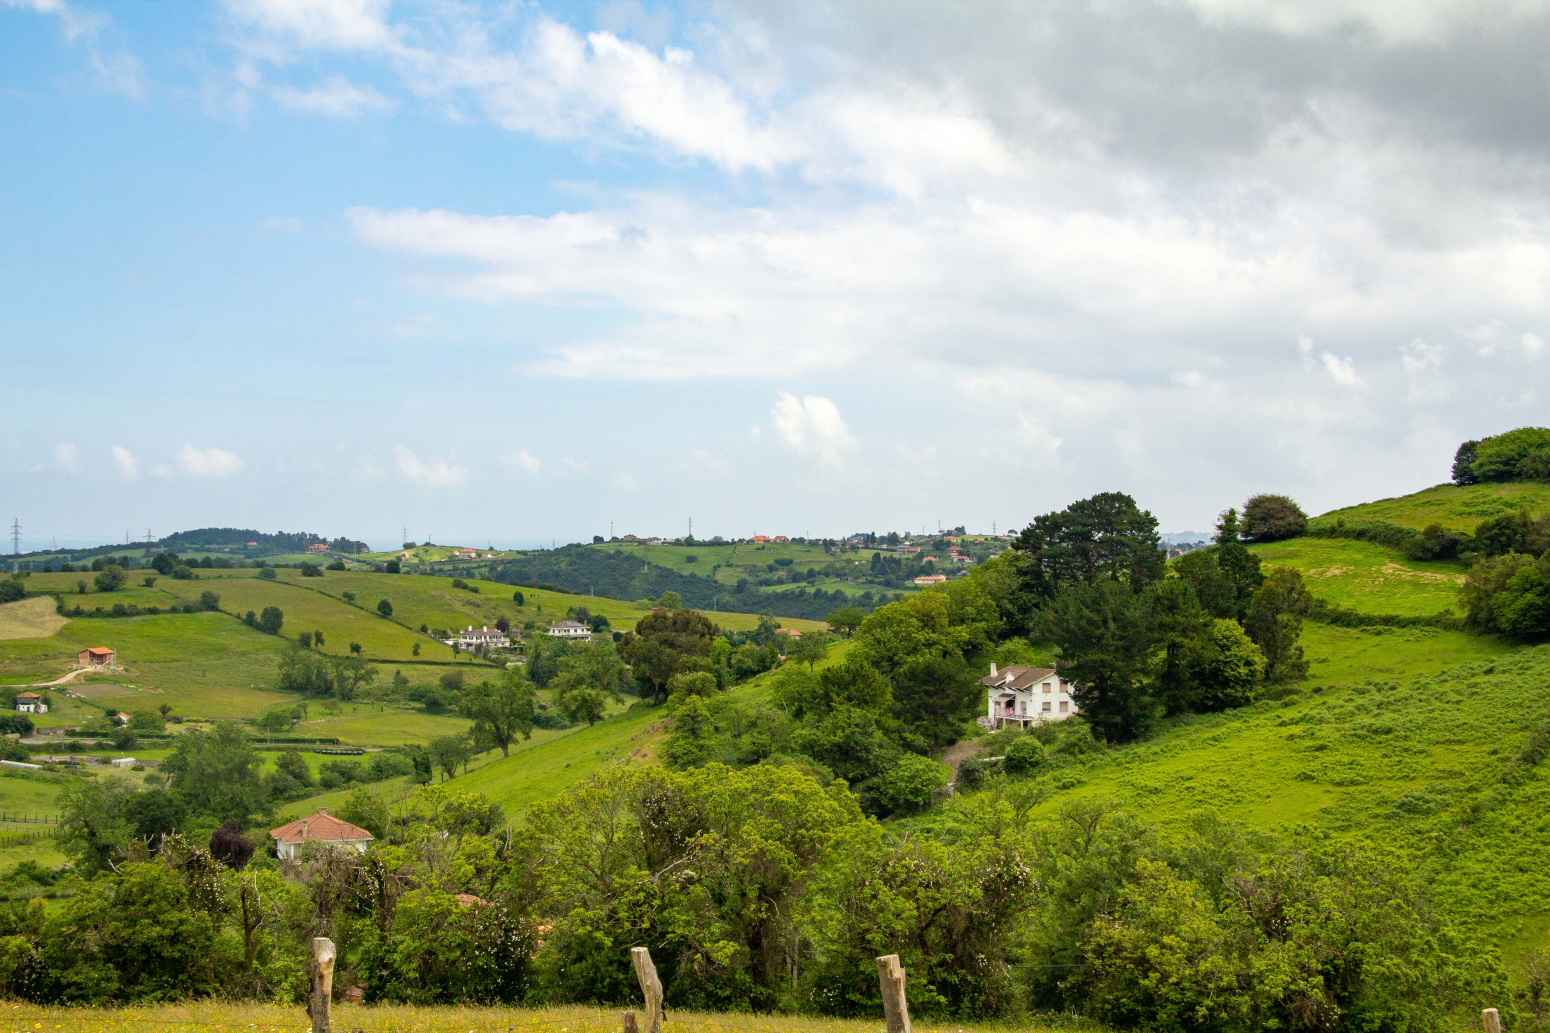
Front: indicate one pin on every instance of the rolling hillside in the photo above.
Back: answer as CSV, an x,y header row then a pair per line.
x,y
1454,507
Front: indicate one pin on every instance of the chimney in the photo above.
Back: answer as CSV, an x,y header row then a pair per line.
x,y
992,668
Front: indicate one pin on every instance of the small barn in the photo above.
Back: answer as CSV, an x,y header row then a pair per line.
x,y
96,656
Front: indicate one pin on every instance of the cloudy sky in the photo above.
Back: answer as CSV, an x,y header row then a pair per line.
x,y
515,271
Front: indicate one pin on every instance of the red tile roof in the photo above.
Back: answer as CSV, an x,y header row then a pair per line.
x,y
321,827
99,651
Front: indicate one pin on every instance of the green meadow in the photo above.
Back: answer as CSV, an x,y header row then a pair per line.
x,y
1368,578
1455,507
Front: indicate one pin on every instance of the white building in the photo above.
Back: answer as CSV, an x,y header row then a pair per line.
x,y
321,827
1026,695
31,703
470,638
570,629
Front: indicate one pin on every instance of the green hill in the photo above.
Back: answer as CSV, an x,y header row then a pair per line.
x,y
1456,507
1366,577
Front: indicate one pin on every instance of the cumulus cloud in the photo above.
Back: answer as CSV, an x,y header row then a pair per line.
x,y
214,463
432,473
523,460
118,72
1420,357
128,465
813,426
1343,371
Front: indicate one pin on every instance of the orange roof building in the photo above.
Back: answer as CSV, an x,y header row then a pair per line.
x,y
96,656
321,827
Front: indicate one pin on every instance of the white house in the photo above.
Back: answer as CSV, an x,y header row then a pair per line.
x,y
321,827
570,629
470,638
1026,695
31,703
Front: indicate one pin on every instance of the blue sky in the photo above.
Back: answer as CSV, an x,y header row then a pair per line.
x,y
514,271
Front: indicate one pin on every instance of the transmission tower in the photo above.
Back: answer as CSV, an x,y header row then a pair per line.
x,y
405,534
16,537
691,527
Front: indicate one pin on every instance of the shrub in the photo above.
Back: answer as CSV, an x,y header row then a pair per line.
x,y
385,608
1025,757
1522,454
182,573
336,565
310,569
910,785
971,773
111,579
271,620
1272,518
209,601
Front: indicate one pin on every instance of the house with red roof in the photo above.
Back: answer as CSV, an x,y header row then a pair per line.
x,y
321,827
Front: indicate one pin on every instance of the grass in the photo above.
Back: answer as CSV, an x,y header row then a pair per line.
x,y
1367,578
29,618
1452,506
222,1017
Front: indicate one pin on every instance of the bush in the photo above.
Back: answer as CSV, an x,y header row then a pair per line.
x,y
910,785
1272,518
1518,455
392,567
385,608
971,773
1025,757
111,579
310,569
336,565
182,573
1434,543
267,573
209,601
271,620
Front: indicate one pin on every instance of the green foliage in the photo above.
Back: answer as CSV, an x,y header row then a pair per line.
x,y
267,574
1274,623
1103,537
1025,756
216,773
111,579
1106,632
501,710
847,619
271,620
665,643
1270,518
1522,454
384,608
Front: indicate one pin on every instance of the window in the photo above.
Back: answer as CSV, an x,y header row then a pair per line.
x,y
1046,706
1022,706
1063,687
1064,706
1046,686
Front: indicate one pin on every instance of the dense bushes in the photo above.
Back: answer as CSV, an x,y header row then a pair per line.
x,y
1518,455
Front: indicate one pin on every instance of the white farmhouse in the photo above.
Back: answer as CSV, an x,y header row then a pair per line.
x,y
570,629
1025,696
470,638
31,703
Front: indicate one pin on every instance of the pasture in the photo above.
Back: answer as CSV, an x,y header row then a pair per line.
x,y
1367,578
30,618
1454,507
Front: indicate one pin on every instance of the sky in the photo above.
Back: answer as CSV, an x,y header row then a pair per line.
x,y
528,272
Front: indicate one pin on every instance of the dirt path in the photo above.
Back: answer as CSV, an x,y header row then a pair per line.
x,y
63,679
959,752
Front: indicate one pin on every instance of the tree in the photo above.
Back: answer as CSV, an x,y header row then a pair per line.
x,y
448,751
1272,518
663,643
812,647
294,765
847,619
1464,463
585,677
217,773
111,579
266,573
317,639
385,608
149,581
229,846
1274,623
304,639
1106,635
146,721
670,601
934,697
350,673
392,567
910,785
1106,537
1026,756
94,829
1182,628
271,620
1225,668
501,710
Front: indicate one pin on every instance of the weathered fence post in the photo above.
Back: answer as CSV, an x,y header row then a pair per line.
x,y
650,988
1492,1019
896,1010
322,983
630,1025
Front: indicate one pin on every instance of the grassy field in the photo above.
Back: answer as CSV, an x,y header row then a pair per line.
x,y
1366,577
29,618
218,1017
1452,506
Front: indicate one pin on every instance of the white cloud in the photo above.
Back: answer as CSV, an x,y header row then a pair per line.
x,y
208,462
336,24
1533,345
119,72
335,96
524,460
1420,357
434,473
128,465
623,481
67,458
1342,370
813,426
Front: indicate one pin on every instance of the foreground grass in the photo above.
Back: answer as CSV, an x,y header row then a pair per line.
x,y
214,1016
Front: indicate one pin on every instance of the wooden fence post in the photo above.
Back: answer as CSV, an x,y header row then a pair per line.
x,y
630,1025
322,983
896,1010
1492,1019
650,988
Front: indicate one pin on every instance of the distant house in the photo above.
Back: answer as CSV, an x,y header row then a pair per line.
x,y
630,539
471,638
122,762
31,703
121,719
793,632
908,548
323,828
1025,696
467,554
930,579
318,548
569,629
96,656
252,545
781,539
760,539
